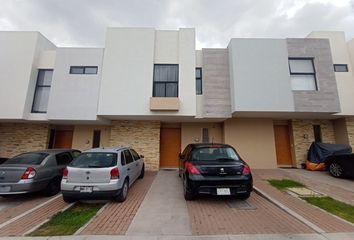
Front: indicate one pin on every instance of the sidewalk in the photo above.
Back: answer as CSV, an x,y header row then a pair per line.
x,y
330,236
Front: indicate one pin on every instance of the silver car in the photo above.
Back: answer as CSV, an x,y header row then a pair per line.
x,y
35,171
102,173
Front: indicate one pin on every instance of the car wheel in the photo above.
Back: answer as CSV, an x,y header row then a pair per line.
x,y
142,173
188,195
244,196
52,188
336,170
124,192
68,199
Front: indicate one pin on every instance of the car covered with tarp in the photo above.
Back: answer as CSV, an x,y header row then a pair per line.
x,y
319,154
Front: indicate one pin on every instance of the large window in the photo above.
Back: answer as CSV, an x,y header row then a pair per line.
x,y
83,70
165,80
302,74
41,95
198,81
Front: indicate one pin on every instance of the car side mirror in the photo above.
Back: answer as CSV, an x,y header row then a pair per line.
x,y
141,156
181,156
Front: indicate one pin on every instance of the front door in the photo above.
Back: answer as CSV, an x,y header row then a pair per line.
x,y
63,138
282,145
170,147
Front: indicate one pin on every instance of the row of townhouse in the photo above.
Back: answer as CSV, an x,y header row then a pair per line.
x,y
152,90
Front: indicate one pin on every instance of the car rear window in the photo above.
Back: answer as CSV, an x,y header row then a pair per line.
x,y
28,159
95,160
214,154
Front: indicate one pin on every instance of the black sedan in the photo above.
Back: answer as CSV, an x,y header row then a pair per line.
x,y
341,165
214,169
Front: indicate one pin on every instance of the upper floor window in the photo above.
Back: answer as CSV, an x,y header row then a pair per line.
x,y
165,80
41,95
302,74
83,69
340,67
198,81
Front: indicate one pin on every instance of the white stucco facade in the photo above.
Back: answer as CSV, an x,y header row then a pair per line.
x,y
18,71
127,77
75,96
259,76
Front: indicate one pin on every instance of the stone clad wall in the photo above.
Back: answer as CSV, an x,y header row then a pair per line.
x,y
16,138
143,136
305,127
350,130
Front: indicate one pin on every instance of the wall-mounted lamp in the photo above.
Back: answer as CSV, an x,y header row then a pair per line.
x,y
306,136
196,139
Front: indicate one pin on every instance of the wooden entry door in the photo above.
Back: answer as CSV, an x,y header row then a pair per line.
x,y
282,145
170,147
63,139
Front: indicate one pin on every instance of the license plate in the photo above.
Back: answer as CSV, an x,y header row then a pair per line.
x,y
5,188
223,191
86,189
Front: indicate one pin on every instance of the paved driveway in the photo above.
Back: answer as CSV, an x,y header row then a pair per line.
x,y
341,189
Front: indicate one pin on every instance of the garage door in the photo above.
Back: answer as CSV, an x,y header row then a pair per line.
x,y
170,147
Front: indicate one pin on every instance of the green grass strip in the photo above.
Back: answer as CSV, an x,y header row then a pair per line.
x,y
340,209
69,221
285,183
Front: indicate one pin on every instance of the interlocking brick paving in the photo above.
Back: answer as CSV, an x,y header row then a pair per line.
x,y
322,219
213,216
28,203
31,220
116,217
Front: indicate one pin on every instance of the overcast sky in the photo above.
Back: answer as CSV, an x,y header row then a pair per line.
x,y
83,22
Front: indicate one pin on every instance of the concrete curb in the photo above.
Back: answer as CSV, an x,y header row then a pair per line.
x,y
86,224
313,226
46,220
28,212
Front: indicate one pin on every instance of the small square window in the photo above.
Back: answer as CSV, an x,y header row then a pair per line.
x,y
77,70
340,67
90,70
83,69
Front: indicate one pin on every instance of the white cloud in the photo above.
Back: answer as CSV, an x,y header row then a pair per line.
x,y
84,22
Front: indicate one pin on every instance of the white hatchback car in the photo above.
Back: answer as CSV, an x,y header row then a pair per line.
x,y
102,173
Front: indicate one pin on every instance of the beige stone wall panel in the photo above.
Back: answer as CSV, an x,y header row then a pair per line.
x,y
143,136
16,138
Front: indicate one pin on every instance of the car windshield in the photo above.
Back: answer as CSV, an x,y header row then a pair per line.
x,y
28,159
215,154
94,160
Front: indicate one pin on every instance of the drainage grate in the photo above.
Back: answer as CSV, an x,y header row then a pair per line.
x,y
241,205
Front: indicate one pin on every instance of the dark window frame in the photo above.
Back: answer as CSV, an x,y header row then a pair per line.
x,y
340,65
304,74
84,70
317,133
96,138
40,86
200,79
165,82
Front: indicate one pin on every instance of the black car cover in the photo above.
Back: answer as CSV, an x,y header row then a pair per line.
x,y
319,152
